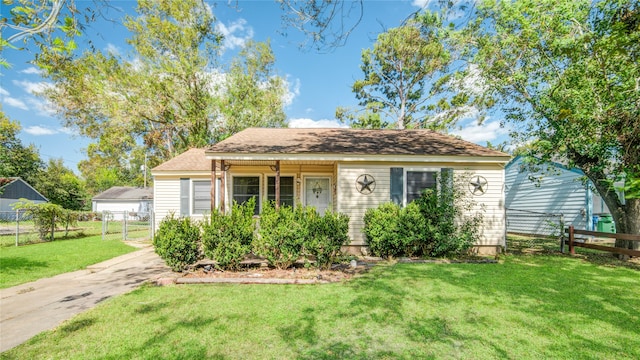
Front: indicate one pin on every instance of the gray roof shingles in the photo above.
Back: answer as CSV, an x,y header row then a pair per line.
x,y
125,193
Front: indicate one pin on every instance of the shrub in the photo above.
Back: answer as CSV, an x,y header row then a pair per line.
x,y
177,241
46,216
439,223
381,230
281,235
326,234
227,238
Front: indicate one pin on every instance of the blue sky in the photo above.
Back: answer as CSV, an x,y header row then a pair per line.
x,y
318,82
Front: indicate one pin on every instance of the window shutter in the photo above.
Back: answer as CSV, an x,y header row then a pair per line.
x,y
184,197
397,185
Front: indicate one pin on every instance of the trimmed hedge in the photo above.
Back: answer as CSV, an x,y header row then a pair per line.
x,y
178,242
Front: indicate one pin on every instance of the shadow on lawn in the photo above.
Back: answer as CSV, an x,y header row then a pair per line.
x,y
13,264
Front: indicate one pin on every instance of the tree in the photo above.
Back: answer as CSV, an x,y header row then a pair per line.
x,y
170,96
397,71
566,75
62,187
16,160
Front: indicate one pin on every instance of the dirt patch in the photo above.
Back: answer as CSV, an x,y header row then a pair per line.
x,y
337,273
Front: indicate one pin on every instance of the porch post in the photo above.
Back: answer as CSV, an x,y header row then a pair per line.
x,y
213,185
223,177
277,184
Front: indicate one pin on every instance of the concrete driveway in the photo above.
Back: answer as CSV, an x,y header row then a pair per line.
x,y
28,309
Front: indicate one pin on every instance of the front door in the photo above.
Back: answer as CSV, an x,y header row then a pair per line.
x,y
317,193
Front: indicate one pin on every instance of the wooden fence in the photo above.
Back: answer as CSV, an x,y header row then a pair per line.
x,y
573,243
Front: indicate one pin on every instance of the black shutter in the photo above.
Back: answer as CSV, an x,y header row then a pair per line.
x,y
397,185
184,197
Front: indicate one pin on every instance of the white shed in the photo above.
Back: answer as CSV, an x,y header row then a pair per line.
x,y
119,199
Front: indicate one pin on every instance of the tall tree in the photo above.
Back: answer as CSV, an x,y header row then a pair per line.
x,y
405,76
566,74
169,96
62,187
16,160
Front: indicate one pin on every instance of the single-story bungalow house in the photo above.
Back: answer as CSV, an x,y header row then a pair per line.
x,y
13,189
118,199
552,189
345,170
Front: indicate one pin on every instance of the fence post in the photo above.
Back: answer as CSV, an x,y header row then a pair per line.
x,y
562,232
17,226
572,250
125,215
103,222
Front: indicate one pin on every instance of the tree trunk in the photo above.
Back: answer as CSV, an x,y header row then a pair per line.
x,y
626,217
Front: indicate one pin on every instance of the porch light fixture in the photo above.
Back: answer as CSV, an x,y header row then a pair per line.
x,y
317,189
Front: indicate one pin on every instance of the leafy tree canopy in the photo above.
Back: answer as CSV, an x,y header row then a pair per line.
x,y
16,160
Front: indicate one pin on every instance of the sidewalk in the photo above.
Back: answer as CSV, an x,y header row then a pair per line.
x,y
28,309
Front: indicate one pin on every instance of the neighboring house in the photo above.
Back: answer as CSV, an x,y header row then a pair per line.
x,y
345,170
551,189
118,199
14,189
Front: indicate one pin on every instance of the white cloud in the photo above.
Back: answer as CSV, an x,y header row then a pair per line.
x,y
112,49
32,70
39,130
421,3
235,33
15,103
3,92
67,131
43,107
488,131
309,123
293,90
32,87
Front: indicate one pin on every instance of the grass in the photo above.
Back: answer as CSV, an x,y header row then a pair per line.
x,y
26,263
529,305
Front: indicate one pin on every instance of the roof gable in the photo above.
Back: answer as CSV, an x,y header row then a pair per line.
x,y
190,160
348,142
16,188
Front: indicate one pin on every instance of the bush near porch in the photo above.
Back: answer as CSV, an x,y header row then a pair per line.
x,y
281,236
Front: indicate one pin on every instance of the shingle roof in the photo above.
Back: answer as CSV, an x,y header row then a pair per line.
x,y
190,160
125,193
348,142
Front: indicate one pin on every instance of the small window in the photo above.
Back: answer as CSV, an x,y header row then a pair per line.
x,y
246,187
417,181
286,190
201,197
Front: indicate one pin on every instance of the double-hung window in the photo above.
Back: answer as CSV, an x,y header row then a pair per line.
x,y
245,188
286,190
201,203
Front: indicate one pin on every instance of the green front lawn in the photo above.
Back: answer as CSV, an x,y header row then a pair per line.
x,y
31,262
525,307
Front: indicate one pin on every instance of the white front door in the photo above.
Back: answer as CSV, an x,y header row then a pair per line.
x,y
317,193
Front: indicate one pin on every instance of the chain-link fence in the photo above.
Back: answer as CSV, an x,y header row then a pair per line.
x,y
127,225
19,228
524,222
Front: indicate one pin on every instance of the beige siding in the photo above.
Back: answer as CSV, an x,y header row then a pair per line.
x,y
355,204
166,198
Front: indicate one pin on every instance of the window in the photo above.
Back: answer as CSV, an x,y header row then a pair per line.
x,y
286,190
201,197
418,181
246,187
408,186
